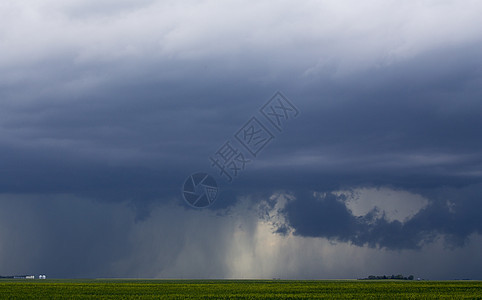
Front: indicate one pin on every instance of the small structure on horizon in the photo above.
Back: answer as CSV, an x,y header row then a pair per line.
x,y
42,277
22,277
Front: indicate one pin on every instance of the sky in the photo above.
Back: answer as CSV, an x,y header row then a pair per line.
x,y
107,108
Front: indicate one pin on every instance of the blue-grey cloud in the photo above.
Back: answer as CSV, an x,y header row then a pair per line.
x,y
454,215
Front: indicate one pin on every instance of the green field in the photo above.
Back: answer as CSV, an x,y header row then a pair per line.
x,y
238,289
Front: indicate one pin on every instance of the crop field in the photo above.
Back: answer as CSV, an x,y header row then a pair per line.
x,y
238,289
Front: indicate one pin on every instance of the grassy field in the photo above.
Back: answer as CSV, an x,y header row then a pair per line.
x,y
237,289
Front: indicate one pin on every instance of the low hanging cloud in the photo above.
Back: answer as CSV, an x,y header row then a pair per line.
x,y
453,216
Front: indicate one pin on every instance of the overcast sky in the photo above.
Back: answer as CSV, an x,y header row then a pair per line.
x,y
106,107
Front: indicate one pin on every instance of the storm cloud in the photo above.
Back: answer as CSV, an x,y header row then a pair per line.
x,y
106,108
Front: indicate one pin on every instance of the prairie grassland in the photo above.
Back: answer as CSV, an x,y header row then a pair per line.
x,y
238,289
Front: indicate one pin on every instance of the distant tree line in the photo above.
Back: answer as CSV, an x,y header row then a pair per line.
x,y
399,277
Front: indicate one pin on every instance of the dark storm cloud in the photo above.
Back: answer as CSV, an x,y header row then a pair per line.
x,y
453,213
414,126
407,125
120,102
139,137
